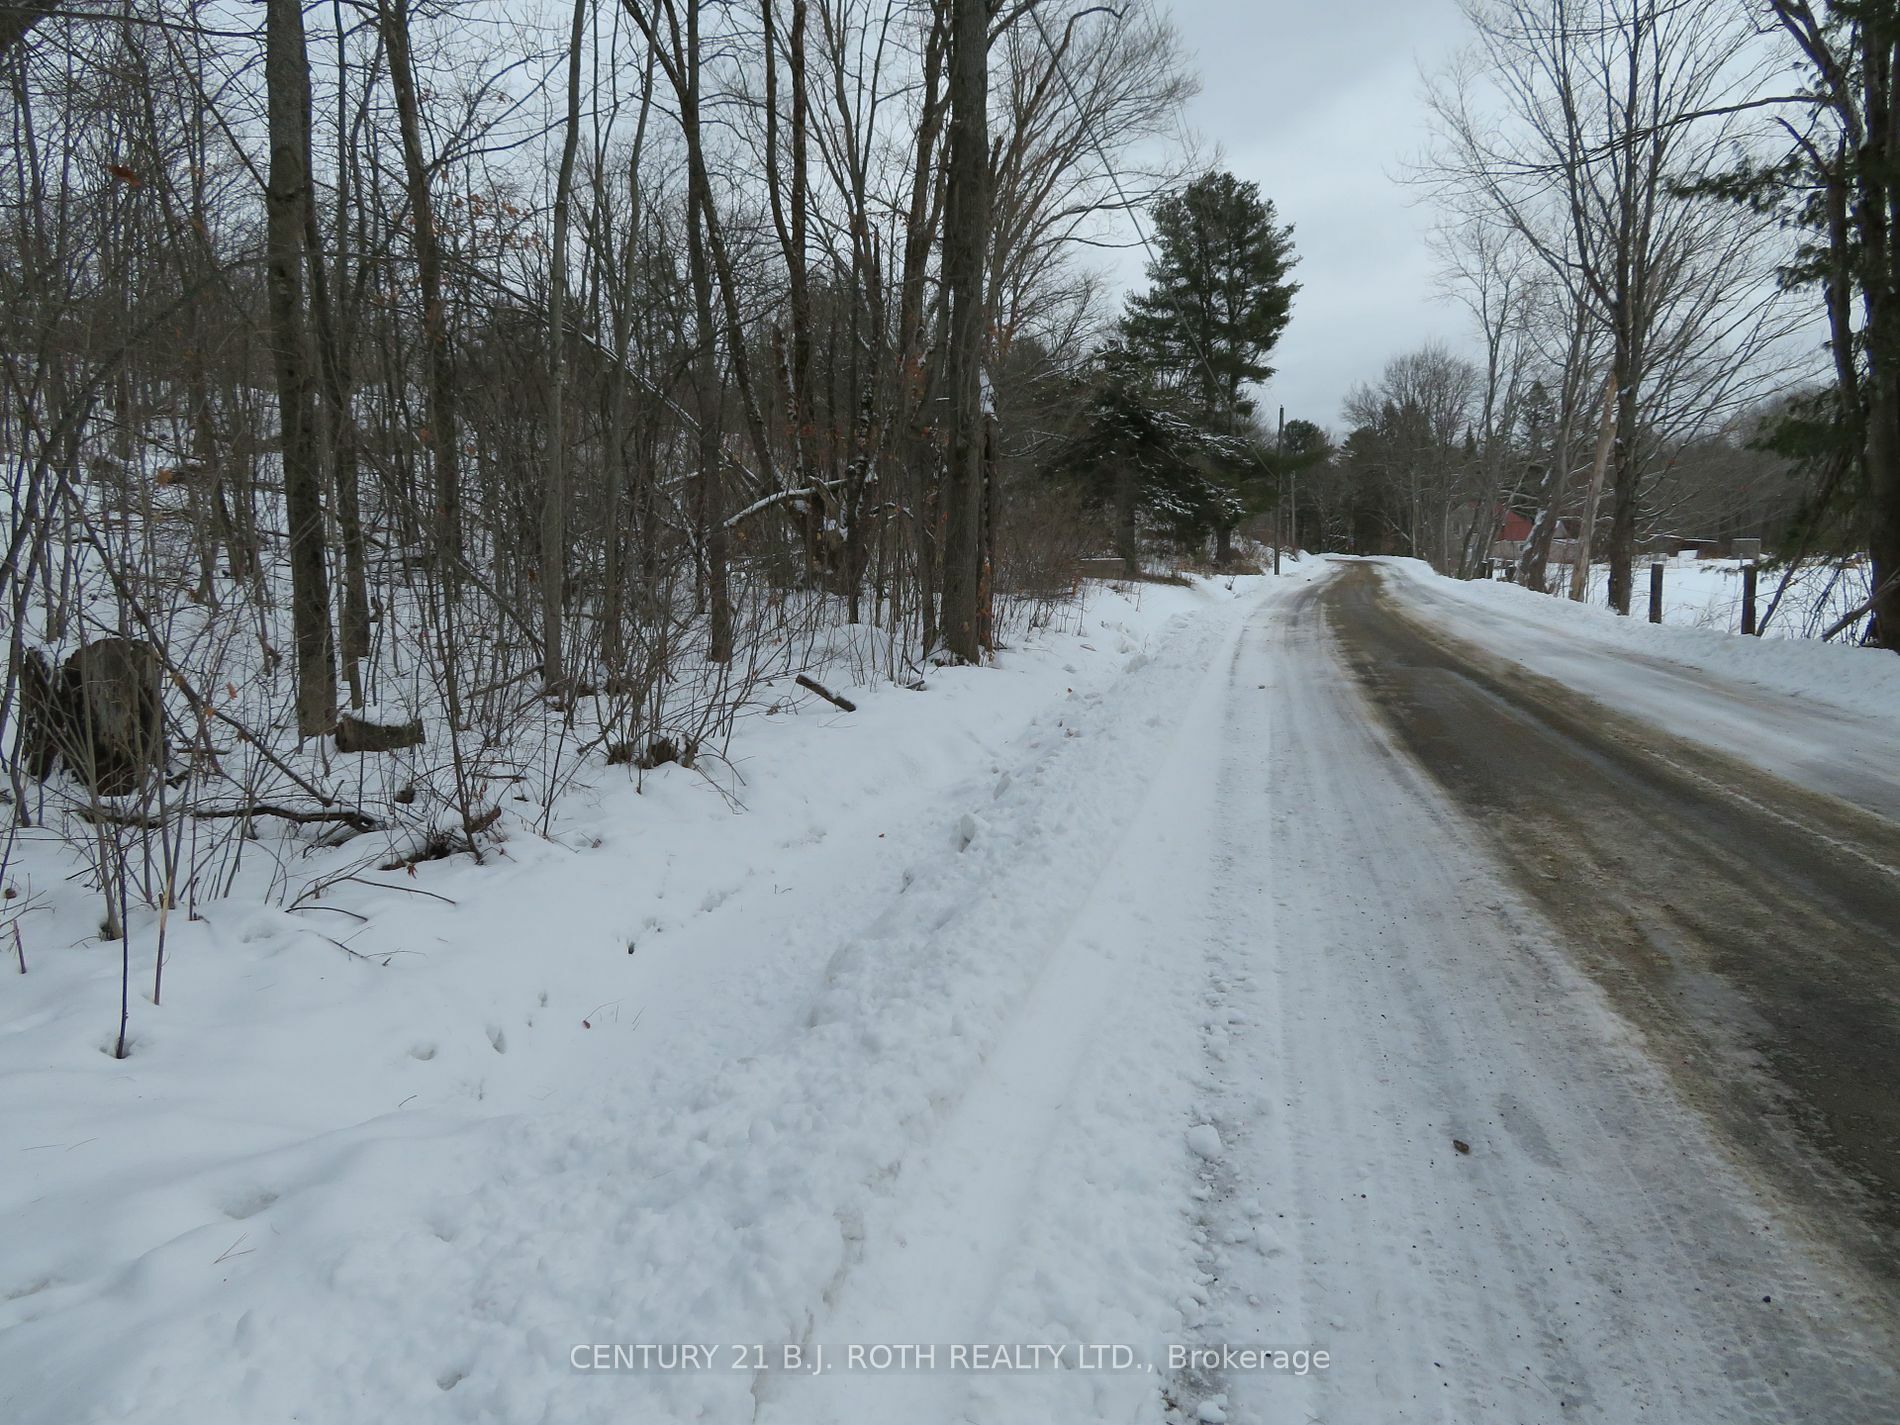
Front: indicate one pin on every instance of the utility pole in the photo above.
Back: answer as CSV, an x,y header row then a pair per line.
x,y
1279,461
1606,439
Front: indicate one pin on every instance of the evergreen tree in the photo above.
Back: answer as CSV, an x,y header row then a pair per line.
x,y
1219,295
1141,456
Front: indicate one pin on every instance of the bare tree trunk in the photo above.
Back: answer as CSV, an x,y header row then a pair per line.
x,y
439,435
287,79
965,250
1883,534
986,585
1628,466
790,219
1877,212
916,365
613,646
334,345
706,367
554,496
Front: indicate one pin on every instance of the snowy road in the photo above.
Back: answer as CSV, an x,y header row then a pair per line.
x,y
1370,989
1598,1253
1157,1017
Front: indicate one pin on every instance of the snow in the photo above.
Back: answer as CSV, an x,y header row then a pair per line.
x,y
396,714
1204,1140
1371,991
659,1076
1837,676
1707,593
1127,994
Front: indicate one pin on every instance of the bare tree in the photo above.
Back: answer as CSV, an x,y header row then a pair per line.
x,y
736,383
965,243
439,433
554,496
1411,430
1583,125
1489,270
287,79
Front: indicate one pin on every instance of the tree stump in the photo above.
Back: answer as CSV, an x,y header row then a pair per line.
x,y
103,715
39,715
355,733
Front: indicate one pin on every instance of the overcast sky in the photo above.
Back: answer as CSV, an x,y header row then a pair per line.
x,y
1317,101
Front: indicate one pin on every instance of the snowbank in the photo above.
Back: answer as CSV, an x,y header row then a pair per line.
x,y
1527,626
395,1153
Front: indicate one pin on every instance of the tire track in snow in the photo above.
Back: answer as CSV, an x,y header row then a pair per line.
x,y
1249,1292
964,1223
1594,1256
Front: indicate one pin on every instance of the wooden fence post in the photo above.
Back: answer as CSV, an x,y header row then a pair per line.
x,y
1655,589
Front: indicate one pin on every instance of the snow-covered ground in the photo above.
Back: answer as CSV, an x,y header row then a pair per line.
x,y
1707,594
1132,994
652,1079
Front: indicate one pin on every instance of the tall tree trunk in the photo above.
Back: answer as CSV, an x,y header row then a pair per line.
x,y
287,200
965,249
1877,214
986,585
439,434
790,219
613,644
706,369
554,495
806,431
335,339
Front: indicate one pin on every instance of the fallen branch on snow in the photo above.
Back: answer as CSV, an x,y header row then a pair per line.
x,y
826,694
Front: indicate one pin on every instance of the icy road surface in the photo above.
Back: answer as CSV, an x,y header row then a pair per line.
x,y
1201,998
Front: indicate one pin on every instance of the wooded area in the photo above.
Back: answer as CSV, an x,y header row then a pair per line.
x,y
487,389
1664,222
407,402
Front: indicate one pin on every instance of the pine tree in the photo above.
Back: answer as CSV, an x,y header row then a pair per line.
x,y
1139,455
1219,297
